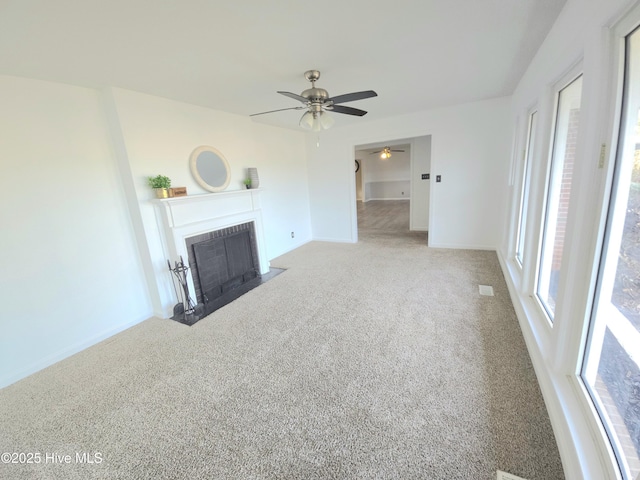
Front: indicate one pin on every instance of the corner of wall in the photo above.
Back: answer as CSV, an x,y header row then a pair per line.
x,y
133,207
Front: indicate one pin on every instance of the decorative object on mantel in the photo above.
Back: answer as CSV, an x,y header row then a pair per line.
x,y
253,176
185,311
178,192
247,182
209,168
161,185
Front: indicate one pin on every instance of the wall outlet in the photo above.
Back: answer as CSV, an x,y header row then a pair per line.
x,y
293,234
438,178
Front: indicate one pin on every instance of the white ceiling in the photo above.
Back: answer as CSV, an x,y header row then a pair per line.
x,y
234,56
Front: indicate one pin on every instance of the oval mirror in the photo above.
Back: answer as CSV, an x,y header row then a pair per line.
x,y
209,168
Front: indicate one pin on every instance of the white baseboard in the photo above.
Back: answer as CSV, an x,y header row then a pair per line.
x,y
462,246
49,360
386,198
333,240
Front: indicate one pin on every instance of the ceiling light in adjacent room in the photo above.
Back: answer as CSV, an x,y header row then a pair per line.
x,y
386,153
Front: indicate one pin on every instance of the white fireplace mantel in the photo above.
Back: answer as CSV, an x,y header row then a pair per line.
x,y
182,217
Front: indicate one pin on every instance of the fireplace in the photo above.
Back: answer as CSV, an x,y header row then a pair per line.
x,y
201,230
222,260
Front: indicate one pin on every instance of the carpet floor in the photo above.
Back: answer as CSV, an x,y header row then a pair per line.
x,y
371,360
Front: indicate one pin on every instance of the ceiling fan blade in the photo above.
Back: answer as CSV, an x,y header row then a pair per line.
x,y
279,110
350,97
397,150
347,110
373,153
294,96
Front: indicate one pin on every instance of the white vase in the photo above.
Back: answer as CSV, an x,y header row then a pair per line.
x,y
253,175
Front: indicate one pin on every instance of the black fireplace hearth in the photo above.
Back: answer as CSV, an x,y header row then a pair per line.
x,y
224,265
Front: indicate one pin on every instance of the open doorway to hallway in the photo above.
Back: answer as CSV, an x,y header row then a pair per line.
x,y
392,193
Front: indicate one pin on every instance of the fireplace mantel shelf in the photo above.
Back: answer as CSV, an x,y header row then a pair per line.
x,y
205,196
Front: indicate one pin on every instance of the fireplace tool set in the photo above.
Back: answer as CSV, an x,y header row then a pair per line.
x,y
185,311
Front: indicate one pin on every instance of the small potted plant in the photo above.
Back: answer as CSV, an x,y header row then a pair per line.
x,y
161,185
247,182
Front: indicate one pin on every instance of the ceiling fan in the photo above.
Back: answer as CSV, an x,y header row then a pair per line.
x,y
385,152
317,102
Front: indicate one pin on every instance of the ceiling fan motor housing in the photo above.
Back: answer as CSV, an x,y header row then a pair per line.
x,y
315,95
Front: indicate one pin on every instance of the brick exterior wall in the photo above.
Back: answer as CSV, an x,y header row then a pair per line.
x,y
565,189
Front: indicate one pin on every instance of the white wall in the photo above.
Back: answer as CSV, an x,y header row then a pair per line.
x,y
420,189
71,273
159,135
582,37
470,149
386,179
79,248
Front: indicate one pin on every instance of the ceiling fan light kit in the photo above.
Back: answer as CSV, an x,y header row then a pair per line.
x,y
318,102
385,152
316,121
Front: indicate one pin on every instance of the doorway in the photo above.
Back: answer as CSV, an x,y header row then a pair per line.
x,y
392,193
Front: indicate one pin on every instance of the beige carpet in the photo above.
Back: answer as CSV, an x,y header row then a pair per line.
x,y
370,360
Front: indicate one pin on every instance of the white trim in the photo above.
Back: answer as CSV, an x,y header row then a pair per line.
x,y
515,156
391,198
523,189
462,246
66,352
333,240
554,170
626,334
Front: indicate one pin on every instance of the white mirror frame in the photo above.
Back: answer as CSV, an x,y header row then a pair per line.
x,y
193,165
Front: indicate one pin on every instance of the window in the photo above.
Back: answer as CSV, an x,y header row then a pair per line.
x,y
524,192
558,193
611,369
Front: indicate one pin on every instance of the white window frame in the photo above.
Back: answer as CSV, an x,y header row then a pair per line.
x,y
617,138
522,209
567,79
558,348
570,337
